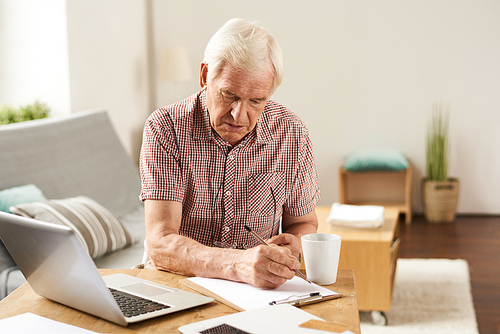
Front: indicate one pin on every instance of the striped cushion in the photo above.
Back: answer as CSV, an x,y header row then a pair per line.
x,y
98,230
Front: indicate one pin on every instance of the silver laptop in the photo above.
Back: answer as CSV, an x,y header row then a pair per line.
x,y
57,267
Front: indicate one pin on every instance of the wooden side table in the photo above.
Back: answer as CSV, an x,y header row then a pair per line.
x,y
377,188
372,253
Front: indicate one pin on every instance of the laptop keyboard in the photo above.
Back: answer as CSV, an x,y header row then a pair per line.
x,y
132,306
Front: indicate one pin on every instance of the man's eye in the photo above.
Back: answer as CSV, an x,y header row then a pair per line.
x,y
229,98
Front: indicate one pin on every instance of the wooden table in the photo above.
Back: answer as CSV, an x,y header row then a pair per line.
x,y
343,310
372,253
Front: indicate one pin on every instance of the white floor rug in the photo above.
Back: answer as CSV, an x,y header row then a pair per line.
x,y
430,296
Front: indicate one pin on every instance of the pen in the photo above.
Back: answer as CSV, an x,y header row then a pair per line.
x,y
262,241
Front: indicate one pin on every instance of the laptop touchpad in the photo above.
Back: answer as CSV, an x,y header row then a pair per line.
x,y
146,289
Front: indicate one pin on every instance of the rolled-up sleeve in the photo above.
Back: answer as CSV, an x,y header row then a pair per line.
x,y
305,193
160,170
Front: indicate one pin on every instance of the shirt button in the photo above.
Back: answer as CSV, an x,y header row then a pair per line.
x,y
231,157
228,193
226,228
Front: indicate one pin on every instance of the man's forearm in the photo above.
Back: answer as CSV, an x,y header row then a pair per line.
x,y
182,255
299,226
300,229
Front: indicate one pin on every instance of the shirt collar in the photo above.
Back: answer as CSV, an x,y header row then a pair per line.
x,y
264,134
201,122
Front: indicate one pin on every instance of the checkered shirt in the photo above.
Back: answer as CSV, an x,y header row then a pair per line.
x,y
222,188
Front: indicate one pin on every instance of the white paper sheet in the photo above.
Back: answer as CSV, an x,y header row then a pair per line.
x,y
32,323
249,297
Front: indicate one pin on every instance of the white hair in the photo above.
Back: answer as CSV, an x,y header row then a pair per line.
x,y
245,46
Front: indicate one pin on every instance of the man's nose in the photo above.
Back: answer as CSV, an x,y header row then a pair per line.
x,y
238,111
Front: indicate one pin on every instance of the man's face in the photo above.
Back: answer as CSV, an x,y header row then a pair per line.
x,y
235,101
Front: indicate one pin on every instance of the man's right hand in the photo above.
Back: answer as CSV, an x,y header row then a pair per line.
x,y
266,266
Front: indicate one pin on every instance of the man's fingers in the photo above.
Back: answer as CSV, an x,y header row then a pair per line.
x,y
263,278
283,238
283,256
287,240
276,260
269,267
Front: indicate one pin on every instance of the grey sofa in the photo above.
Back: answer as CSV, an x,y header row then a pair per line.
x,y
75,155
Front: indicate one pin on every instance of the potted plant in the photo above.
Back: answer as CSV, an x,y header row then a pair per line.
x,y
439,191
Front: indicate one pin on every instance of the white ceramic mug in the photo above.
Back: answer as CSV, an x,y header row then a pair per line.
x,y
321,256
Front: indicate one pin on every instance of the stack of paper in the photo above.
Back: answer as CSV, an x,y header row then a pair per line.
x,y
359,216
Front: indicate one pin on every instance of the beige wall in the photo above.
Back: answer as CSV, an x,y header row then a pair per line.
x,y
108,63
360,73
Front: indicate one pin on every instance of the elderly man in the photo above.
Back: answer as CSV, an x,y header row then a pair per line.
x,y
227,157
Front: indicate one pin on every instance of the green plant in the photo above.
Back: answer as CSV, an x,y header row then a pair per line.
x,y
437,144
28,112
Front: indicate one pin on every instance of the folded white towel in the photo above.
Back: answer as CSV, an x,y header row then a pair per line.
x,y
360,216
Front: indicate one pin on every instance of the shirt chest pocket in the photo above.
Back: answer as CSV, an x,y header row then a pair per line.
x,y
266,194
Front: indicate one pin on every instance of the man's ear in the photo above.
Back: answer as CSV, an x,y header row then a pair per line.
x,y
203,75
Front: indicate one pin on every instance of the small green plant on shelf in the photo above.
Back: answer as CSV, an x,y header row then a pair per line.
x,y
27,112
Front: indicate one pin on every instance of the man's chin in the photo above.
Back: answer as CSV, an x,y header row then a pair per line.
x,y
233,138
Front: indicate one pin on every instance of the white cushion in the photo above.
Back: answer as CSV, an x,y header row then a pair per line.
x,y
98,230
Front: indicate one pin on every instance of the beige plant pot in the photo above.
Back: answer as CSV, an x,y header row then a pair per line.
x,y
439,199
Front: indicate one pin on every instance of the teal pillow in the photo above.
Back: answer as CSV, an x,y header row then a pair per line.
x,y
373,160
18,195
